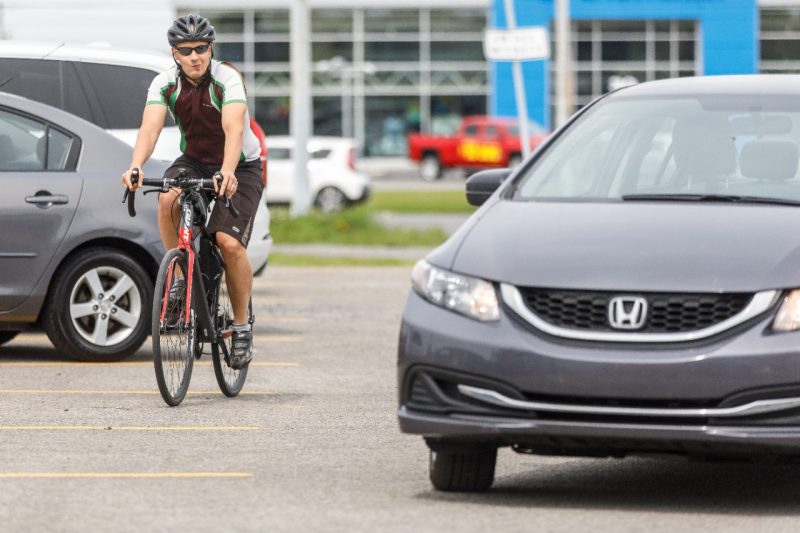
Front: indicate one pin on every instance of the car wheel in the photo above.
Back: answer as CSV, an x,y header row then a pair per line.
x,y
514,161
463,471
99,306
330,200
6,336
430,168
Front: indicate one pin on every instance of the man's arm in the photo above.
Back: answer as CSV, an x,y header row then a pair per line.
x,y
233,125
152,124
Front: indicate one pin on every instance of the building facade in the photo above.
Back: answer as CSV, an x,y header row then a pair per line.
x,y
384,68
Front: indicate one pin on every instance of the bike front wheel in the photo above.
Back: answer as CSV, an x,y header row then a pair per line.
x,y
174,329
230,380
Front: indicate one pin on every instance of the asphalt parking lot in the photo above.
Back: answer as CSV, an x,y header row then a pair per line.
x,y
312,444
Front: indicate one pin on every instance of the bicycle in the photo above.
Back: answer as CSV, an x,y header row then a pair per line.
x,y
183,321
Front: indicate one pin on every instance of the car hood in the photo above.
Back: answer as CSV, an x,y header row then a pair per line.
x,y
631,246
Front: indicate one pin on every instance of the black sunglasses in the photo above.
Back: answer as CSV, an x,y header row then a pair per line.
x,y
186,51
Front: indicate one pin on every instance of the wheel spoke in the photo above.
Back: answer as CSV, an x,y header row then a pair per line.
x,y
93,280
125,318
101,331
82,309
122,286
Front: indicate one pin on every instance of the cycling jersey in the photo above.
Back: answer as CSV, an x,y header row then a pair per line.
x,y
197,110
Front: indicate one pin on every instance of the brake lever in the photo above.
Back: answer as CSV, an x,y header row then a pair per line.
x,y
217,177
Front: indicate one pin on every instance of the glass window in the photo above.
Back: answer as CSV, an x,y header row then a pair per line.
x,y
121,93
59,146
22,143
279,154
458,20
226,21
686,50
391,21
457,51
388,120
272,21
272,52
584,51
320,154
391,51
780,20
736,145
55,83
328,116
233,52
623,26
272,113
447,110
624,50
327,50
332,20
471,130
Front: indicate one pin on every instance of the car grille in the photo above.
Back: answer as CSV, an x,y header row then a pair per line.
x,y
667,312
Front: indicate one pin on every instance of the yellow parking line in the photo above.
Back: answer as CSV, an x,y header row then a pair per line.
x,y
50,475
129,428
134,363
118,392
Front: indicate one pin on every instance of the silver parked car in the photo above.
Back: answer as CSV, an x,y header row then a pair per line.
x,y
634,287
71,259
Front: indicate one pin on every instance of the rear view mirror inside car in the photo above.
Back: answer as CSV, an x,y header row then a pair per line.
x,y
760,124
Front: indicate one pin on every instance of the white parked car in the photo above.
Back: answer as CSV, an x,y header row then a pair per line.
x,y
106,86
334,181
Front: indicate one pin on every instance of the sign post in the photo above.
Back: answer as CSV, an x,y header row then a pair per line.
x,y
516,45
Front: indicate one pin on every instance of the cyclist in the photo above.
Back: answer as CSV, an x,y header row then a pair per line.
x,y
208,102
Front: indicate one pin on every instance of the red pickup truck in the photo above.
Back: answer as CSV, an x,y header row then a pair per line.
x,y
480,142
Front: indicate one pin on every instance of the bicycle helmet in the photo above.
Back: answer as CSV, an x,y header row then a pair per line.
x,y
191,28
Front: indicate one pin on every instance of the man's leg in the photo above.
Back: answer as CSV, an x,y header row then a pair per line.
x,y
238,274
168,213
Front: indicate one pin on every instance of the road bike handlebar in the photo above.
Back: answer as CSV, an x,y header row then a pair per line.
x,y
181,181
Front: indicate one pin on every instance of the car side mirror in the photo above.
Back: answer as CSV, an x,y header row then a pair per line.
x,y
481,185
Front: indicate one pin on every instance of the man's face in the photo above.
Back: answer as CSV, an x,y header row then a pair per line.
x,y
195,64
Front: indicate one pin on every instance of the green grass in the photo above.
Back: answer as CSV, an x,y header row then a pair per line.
x,y
354,226
313,260
420,202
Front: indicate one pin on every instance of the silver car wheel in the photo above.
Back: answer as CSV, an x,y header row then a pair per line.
x,y
105,306
330,200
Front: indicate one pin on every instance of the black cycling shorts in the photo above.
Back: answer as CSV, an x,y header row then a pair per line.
x,y
245,199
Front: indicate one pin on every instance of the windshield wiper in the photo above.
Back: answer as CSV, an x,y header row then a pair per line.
x,y
708,198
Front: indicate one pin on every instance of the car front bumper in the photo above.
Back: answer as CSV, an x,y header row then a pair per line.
x,y
501,382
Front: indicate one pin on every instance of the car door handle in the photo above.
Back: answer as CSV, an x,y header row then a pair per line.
x,y
44,199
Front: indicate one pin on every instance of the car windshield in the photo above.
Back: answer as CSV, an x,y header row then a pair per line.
x,y
710,147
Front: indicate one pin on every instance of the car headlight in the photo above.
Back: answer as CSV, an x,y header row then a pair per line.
x,y
788,316
469,296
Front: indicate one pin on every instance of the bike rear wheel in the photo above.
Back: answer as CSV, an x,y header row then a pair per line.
x,y
230,380
174,337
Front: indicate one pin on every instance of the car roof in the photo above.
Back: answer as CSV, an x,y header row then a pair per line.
x,y
99,53
763,84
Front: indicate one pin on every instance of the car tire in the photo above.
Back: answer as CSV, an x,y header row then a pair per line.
x,y
330,200
430,168
88,324
6,336
463,471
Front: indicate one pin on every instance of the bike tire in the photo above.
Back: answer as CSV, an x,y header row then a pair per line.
x,y
230,381
173,343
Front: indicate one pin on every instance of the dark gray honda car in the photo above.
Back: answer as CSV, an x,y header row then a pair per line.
x,y
71,259
634,287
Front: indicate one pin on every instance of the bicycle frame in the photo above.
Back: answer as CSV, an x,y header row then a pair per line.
x,y
195,288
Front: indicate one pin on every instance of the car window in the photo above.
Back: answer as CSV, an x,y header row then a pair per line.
x,y
59,147
471,130
320,154
55,83
121,93
492,132
21,142
279,154
732,145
